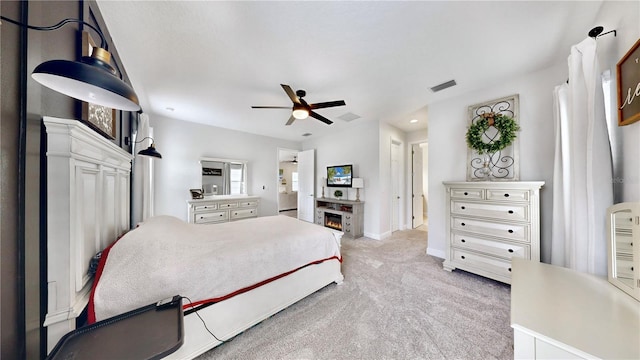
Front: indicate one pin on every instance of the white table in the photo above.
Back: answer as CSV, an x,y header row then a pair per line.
x,y
558,313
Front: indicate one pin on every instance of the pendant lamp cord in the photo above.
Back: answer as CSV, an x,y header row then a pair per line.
x,y
103,42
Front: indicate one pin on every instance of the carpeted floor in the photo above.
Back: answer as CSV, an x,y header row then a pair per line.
x,y
396,302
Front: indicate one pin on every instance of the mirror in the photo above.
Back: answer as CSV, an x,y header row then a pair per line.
x,y
623,255
223,176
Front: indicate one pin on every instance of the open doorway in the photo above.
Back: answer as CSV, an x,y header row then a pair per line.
x,y
420,193
288,182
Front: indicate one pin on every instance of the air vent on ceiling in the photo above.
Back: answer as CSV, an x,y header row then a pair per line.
x,y
443,86
349,117
307,134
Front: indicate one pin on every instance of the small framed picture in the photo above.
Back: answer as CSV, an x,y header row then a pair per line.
x,y
101,118
196,194
628,76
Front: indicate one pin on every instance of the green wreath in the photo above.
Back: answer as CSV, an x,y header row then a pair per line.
x,y
506,126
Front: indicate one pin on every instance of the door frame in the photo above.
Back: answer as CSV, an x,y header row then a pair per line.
x,y
277,180
307,162
425,180
400,177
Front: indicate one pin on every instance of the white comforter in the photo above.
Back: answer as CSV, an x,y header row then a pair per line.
x,y
166,256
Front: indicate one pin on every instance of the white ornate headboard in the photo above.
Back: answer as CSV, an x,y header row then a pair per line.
x,y
87,209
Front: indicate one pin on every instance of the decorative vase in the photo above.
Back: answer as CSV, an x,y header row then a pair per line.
x,y
486,166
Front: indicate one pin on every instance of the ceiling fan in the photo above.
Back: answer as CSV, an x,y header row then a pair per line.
x,y
301,109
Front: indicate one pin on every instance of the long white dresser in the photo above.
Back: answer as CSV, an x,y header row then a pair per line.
x,y
490,223
222,208
559,313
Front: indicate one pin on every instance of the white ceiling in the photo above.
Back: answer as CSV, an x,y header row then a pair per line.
x,y
211,61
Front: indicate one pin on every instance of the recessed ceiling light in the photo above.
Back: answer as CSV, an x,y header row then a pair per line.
x,y
413,121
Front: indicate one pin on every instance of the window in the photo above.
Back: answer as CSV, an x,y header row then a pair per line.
x,y
235,176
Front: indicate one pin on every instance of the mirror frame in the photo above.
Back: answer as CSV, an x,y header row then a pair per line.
x,y
245,165
634,210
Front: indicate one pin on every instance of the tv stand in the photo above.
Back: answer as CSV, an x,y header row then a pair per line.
x,y
342,215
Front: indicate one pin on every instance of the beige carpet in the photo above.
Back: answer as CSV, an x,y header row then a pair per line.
x,y
395,303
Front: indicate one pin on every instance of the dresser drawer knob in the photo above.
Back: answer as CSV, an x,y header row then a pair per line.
x,y
510,250
462,207
510,231
510,211
506,195
462,257
463,224
463,240
509,269
466,193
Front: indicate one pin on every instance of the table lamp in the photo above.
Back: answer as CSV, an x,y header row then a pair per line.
x,y
357,183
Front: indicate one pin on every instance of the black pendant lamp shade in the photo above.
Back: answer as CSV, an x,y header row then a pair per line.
x,y
92,80
151,150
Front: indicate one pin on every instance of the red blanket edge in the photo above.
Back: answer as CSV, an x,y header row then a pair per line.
x,y
91,314
91,311
251,287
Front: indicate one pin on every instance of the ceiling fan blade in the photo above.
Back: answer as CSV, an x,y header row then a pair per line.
x,y
291,120
327,104
271,107
292,95
320,117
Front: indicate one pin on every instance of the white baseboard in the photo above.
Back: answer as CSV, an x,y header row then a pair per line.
x,y
373,236
435,252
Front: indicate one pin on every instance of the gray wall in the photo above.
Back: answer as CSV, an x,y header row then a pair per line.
x,y
20,178
9,124
22,109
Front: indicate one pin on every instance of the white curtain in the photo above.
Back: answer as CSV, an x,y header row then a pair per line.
x,y
582,181
142,173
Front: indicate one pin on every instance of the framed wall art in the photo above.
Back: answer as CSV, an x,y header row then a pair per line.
x,y
628,77
501,164
99,117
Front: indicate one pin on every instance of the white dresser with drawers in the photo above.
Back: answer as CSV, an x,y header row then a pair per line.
x,y
222,208
490,223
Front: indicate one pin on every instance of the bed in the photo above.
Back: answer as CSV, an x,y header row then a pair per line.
x,y
88,208
211,265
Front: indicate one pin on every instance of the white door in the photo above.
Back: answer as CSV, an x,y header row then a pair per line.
x,y
395,186
417,192
306,177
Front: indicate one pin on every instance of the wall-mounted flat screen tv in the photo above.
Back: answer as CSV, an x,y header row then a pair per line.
x,y
339,176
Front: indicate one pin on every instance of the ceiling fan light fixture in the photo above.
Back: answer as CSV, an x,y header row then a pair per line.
x,y
301,109
300,113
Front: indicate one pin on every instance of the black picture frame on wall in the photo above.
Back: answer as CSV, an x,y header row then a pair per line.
x,y
628,79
